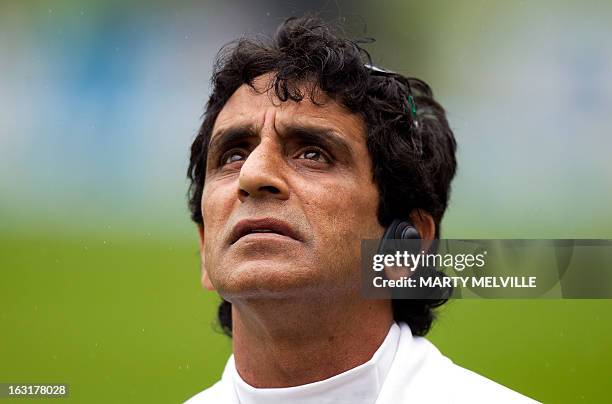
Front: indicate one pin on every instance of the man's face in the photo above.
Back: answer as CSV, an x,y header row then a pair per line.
x,y
288,197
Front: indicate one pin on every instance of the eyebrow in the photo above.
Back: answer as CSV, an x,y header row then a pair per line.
x,y
229,136
305,133
319,135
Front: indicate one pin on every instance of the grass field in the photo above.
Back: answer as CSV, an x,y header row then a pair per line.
x,y
123,319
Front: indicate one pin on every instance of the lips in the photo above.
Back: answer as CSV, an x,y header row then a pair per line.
x,y
264,226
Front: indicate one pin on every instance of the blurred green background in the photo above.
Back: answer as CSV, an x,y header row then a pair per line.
x,y
99,102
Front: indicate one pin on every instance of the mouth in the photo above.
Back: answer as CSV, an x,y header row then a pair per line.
x,y
264,226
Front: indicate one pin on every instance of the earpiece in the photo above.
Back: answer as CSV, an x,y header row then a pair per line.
x,y
401,230
398,230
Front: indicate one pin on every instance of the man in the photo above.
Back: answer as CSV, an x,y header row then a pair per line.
x,y
305,150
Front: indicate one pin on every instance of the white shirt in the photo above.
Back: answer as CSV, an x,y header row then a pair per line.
x,y
404,369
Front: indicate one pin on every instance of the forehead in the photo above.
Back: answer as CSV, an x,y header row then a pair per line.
x,y
251,107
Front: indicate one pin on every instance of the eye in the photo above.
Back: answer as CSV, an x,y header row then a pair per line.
x,y
232,156
315,155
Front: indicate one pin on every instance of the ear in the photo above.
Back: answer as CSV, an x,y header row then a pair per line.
x,y
425,225
205,280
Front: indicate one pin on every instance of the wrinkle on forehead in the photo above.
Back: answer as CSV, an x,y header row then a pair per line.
x,y
250,106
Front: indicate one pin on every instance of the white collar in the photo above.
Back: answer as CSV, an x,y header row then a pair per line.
x,y
360,384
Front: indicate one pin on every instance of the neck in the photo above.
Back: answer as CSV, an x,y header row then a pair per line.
x,y
282,343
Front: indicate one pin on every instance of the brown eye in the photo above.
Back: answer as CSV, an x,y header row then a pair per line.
x,y
232,157
314,154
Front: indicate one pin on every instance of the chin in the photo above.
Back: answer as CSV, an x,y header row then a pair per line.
x,y
266,279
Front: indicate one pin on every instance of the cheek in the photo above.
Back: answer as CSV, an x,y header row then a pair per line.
x,y
216,207
341,216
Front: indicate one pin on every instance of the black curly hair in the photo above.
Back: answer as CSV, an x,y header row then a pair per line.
x,y
408,137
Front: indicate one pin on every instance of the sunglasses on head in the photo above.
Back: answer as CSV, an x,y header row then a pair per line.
x,y
410,105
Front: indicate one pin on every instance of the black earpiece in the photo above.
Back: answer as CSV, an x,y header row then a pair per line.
x,y
401,230
397,230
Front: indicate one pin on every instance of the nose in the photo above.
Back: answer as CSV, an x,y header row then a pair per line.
x,y
261,174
